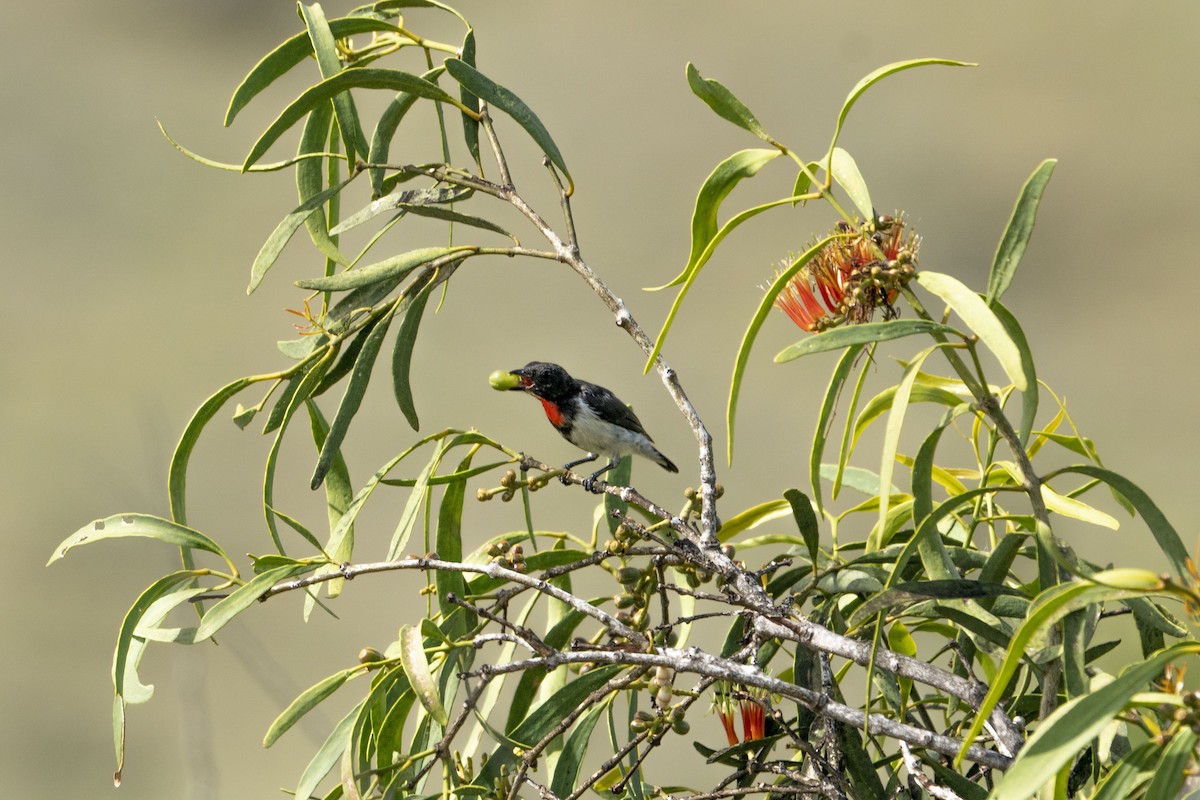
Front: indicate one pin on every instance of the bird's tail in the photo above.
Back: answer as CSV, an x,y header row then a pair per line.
x,y
662,460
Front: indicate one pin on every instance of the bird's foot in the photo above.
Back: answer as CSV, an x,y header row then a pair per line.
x,y
589,484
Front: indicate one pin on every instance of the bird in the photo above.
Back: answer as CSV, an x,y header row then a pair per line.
x,y
588,416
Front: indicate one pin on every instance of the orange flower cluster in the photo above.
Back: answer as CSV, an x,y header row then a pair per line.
x,y
852,276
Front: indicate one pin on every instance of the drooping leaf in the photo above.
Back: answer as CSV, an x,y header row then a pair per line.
x,y
352,398
120,526
845,173
1029,397
329,754
408,201
980,319
499,97
326,90
1016,234
389,269
832,392
268,254
751,518
448,545
756,322
868,332
874,77
389,121
470,123
723,102
325,49
237,601
292,52
566,773
806,521
406,338
416,667
310,179
716,187
1076,509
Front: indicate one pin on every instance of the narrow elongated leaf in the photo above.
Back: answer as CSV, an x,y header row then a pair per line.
x,y
1076,509
980,319
405,201
825,419
868,332
846,173
448,544
389,121
1061,736
416,667
133,618
292,52
389,269
1016,234
874,77
806,521
120,526
326,90
352,399
177,473
268,254
310,179
470,123
339,492
723,102
751,518
883,401
402,353
756,322
330,753
325,49
544,718
309,699
243,597
566,773
1029,397
496,95
1173,766
716,187
1164,533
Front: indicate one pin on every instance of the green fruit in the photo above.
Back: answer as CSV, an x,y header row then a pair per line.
x,y
503,380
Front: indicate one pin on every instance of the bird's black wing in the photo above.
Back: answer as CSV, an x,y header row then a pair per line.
x,y
610,407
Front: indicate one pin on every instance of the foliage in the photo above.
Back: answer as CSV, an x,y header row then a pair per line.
x,y
953,602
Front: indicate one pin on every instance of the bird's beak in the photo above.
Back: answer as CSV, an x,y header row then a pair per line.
x,y
523,381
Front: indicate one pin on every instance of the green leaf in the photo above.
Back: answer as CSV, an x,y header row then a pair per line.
x,y
120,526
268,254
389,269
389,121
448,544
1171,769
1164,533
1135,768
1061,736
566,773
883,401
326,90
846,173
406,338
874,77
722,101
293,51
544,718
868,332
980,319
407,201
756,322
352,398
338,490
1029,397
309,699
133,618
325,49
310,179
1076,509
806,521
716,187
486,89
825,419
751,518
330,753
470,123
416,667
241,599
177,473
1020,228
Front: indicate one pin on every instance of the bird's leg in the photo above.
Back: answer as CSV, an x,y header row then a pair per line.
x,y
576,463
589,482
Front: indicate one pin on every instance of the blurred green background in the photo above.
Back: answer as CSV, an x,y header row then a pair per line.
x,y
127,263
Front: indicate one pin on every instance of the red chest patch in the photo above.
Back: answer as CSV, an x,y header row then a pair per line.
x,y
552,413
